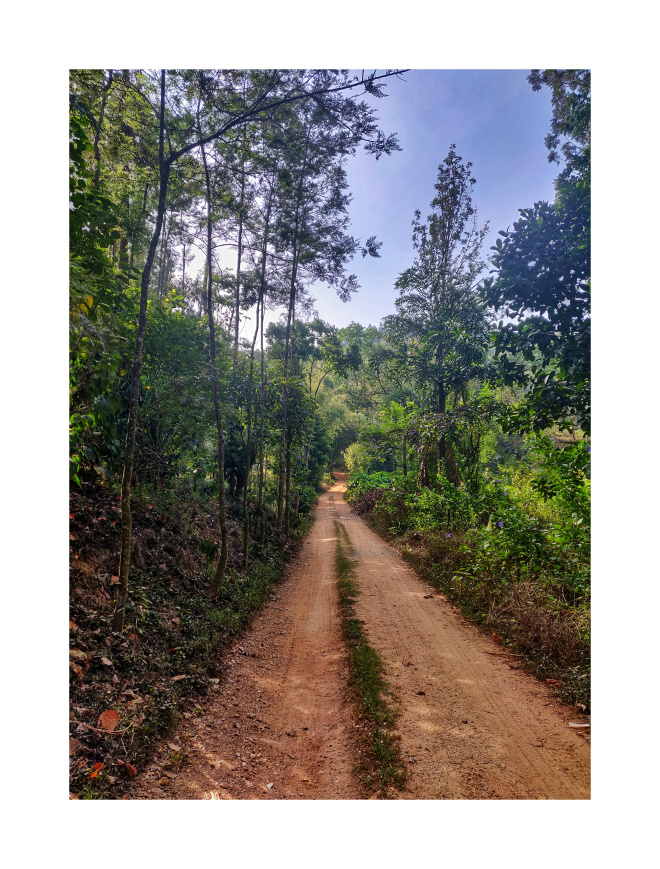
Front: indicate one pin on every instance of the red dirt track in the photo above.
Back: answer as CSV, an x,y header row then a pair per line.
x,y
471,724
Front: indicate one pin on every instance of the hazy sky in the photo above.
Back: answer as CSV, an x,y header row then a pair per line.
x,y
497,123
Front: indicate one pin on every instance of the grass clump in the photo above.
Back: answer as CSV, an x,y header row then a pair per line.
x,y
380,760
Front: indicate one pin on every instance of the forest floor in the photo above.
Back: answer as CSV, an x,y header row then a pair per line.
x,y
471,724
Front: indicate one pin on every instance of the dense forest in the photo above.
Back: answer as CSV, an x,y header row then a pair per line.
x,y
209,403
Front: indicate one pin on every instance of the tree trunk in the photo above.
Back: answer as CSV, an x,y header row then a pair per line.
x,y
126,533
405,457
97,132
248,447
289,324
442,408
262,421
162,272
237,291
222,515
287,494
260,322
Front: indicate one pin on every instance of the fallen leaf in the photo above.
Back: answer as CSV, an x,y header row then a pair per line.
x,y
175,620
78,655
109,719
74,746
72,625
114,580
496,638
107,662
97,769
70,515
164,782
270,785
177,678
77,669
174,746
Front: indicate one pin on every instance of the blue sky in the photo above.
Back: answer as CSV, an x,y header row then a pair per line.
x,y
496,121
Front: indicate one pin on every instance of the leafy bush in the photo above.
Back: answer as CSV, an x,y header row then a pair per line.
x,y
306,499
357,458
360,483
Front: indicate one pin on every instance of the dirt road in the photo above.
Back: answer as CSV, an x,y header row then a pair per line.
x,y
472,725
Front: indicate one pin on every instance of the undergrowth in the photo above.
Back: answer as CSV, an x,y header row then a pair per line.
x,y
514,556
168,657
380,761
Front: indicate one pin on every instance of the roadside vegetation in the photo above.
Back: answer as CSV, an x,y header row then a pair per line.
x,y
514,555
128,689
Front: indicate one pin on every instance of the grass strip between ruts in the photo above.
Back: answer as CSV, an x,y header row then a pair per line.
x,y
380,762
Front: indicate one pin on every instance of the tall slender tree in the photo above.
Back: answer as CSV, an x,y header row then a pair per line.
x,y
440,329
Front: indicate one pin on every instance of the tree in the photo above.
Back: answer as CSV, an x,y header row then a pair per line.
x,y
173,99
440,331
543,275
